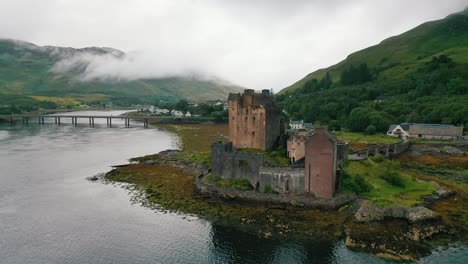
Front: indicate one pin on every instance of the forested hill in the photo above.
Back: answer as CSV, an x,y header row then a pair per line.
x,y
418,76
32,75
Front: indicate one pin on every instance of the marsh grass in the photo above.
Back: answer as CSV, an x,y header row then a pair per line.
x,y
388,184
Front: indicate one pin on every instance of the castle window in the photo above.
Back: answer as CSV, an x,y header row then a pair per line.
x,y
253,133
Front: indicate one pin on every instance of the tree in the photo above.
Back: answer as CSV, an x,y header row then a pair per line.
x,y
182,105
370,130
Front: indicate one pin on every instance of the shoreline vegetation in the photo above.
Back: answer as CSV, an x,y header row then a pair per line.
x,y
393,229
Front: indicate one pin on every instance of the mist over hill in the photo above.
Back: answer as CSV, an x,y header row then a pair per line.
x,y
30,74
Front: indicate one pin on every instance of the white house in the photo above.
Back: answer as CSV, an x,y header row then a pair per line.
x,y
188,114
399,131
427,131
177,113
300,125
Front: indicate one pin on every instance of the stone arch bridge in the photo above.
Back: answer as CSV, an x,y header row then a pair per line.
x,y
387,150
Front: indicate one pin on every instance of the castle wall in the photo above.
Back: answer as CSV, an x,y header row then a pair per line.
x,y
229,163
282,180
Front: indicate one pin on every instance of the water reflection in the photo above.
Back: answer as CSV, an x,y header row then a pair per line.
x,y
241,247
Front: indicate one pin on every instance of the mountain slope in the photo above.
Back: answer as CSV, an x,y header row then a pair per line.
x,y
28,70
418,76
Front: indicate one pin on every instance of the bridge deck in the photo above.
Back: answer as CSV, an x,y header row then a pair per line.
x,y
83,116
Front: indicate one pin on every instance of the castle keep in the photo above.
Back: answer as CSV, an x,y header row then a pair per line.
x,y
255,120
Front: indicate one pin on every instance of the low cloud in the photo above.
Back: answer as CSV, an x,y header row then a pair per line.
x,y
259,44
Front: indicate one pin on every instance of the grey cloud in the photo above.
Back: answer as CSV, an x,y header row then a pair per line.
x,y
259,44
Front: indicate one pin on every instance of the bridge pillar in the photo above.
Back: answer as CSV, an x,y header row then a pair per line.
x,y
92,121
58,118
145,123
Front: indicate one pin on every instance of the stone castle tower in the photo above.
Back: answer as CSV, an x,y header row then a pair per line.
x,y
324,154
255,120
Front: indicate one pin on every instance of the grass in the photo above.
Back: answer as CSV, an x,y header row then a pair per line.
x,y
361,138
195,140
448,171
431,141
406,191
273,157
232,183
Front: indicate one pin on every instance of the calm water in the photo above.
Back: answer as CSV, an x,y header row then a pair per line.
x,y
49,212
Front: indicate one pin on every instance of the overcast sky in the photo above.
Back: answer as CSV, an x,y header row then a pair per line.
x,y
256,44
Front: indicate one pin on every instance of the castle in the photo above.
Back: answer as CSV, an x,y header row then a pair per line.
x,y
256,122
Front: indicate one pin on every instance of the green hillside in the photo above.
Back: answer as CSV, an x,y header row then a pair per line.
x,y
418,76
28,78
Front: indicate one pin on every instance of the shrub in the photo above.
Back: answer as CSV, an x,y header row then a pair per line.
x,y
355,183
267,189
393,177
378,158
370,130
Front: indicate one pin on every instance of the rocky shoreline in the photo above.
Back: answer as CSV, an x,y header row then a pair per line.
x,y
395,233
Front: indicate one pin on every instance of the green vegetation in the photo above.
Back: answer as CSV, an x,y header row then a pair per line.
x,y
273,157
383,183
267,189
195,140
237,184
356,137
418,76
26,73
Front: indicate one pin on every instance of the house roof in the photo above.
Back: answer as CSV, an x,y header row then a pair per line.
x,y
295,122
391,128
308,125
406,126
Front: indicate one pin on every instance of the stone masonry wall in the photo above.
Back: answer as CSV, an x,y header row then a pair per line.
x,y
230,163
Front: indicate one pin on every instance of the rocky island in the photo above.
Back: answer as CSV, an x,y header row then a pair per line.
x,y
254,189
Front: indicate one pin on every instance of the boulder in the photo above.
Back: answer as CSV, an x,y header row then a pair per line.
x,y
369,213
420,213
443,193
395,212
151,162
452,151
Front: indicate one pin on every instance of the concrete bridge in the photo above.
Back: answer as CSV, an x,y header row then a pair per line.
x,y
387,150
58,119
